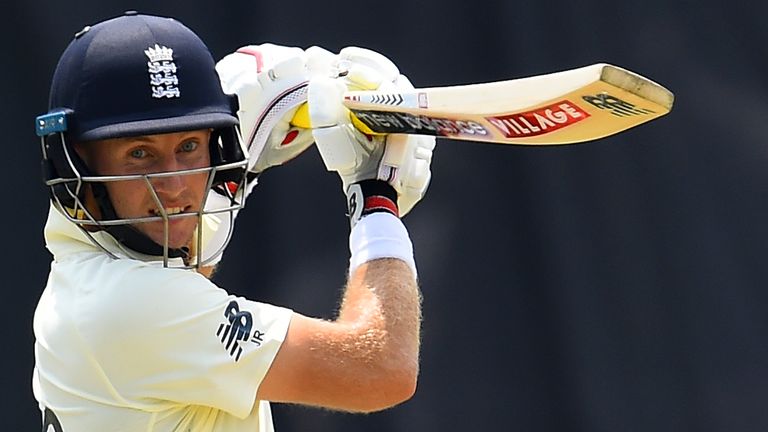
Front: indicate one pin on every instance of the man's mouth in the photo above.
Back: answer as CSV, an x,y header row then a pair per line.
x,y
168,210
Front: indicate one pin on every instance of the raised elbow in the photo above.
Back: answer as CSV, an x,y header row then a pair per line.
x,y
391,389
406,389
402,388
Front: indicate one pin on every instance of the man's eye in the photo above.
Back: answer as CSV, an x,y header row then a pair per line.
x,y
138,153
189,146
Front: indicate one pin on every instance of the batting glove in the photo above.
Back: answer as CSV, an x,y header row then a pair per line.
x,y
270,82
363,161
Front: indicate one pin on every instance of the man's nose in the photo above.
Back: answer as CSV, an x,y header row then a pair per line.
x,y
169,184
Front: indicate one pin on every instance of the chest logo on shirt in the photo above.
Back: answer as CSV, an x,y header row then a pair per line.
x,y
238,330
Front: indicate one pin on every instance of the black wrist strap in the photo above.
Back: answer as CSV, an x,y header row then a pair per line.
x,y
370,196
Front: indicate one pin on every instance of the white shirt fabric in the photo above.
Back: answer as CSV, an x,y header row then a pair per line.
x,y
127,345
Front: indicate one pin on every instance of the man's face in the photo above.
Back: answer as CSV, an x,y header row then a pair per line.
x,y
153,154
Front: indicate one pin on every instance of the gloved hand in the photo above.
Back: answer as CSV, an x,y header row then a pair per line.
x,y
402,161
270,82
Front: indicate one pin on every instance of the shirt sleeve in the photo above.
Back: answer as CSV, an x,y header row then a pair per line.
x,y
172,336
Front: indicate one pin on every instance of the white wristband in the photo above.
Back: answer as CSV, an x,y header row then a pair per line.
x,y
379,235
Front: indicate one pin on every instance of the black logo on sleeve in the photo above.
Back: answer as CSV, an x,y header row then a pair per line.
x,y
238,330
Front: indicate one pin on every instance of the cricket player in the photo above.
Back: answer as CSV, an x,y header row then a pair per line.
x,y
150,150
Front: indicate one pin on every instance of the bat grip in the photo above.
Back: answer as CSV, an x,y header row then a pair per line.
x,y
301,120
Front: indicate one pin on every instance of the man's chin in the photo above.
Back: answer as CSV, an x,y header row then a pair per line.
x,y
176,240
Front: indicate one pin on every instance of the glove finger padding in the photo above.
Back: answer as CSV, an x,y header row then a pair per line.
x,y
366,69
270,82
406,166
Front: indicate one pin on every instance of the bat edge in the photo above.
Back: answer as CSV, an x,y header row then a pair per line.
x,y
638,85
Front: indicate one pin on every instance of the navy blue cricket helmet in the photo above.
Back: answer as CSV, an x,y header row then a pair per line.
x,y
134,75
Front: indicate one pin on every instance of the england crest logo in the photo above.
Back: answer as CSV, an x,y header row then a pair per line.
x,y
162,72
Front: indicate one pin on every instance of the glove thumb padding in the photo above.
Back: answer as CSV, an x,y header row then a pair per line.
x,y
342,148
324,97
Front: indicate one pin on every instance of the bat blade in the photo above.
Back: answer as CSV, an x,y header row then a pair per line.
x,y
566,107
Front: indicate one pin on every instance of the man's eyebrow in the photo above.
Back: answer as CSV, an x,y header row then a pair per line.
x,y
148,138
143,138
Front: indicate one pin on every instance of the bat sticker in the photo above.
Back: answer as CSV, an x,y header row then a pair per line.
x,y
405,123
539,121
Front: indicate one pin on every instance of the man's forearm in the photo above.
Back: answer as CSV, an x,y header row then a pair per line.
x,y
382,295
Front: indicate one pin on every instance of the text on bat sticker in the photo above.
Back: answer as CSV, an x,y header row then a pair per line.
x,y
539,121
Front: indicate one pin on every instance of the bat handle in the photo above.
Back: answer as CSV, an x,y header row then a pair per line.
x,y
301,120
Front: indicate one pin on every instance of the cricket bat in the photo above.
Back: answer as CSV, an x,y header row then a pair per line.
x,y
567,107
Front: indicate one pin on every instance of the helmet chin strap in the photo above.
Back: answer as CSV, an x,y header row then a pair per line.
x,y
127,234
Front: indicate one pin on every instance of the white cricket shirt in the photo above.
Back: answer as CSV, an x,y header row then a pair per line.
x,y
127,345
